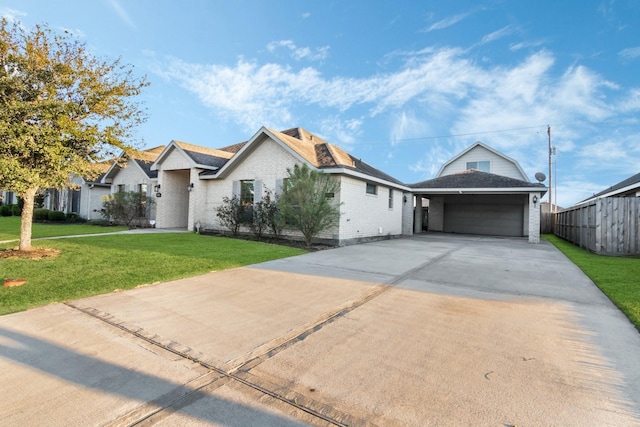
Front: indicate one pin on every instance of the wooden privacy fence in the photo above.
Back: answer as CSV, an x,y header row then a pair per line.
x,y
607,226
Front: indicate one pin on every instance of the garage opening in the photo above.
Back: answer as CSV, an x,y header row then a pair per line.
x,y
495,215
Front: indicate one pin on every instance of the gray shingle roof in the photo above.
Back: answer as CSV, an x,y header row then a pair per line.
x,y
145,165
474,179
206,159
635,179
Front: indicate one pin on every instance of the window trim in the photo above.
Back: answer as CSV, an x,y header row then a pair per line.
x,y
477,163
374,187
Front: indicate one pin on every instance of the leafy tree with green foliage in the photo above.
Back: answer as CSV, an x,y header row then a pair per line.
x,y
61,109
125,207
231,214
305,204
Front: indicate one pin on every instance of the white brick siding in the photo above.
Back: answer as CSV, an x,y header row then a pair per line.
x,y
91,201
366,215
533,219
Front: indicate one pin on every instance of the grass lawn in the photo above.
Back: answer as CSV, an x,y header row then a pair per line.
x,y
100,264
619,278
10,229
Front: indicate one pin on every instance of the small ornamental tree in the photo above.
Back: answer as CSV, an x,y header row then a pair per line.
x,y
305,201
266,217
61,110
231,214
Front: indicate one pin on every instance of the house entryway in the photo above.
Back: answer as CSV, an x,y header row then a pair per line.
x,y
173,203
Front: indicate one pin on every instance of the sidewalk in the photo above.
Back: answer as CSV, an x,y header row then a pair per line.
x,y
131,231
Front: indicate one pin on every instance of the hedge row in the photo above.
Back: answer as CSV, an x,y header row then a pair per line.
x,y
9,210
41,214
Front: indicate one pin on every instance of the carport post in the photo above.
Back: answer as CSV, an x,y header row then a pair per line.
x,y
417,215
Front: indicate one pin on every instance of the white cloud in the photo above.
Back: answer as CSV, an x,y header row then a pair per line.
x,y
436,91
11,15
502,32
407,126
630,53
447,22
123,14
298,53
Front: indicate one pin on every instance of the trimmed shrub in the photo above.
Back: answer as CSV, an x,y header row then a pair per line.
x,y
16,210
73,217
56,216
5,210
40,214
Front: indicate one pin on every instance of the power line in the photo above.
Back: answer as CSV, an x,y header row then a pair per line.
x,y
468,134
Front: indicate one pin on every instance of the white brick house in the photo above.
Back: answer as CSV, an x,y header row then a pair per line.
x,y
193,181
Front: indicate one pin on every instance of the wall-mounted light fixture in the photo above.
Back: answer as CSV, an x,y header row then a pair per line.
x,y
535,200
190,187
156,188
404,198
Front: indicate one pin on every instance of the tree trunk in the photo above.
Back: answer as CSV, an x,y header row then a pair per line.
x,y
28,197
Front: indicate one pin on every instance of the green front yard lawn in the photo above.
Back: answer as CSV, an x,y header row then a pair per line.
x,y
10,229
95,265
617,277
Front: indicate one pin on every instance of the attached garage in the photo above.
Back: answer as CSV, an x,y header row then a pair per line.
x,y
485,214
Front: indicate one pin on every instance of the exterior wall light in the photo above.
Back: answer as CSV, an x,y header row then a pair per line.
x,y
535,199
190,187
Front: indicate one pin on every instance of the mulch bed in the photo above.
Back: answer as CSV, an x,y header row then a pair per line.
x,y
34,253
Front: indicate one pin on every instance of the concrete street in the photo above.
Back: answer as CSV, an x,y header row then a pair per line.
x,y
436,329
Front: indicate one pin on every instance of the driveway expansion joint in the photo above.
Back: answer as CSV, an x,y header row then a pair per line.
x,y
150,409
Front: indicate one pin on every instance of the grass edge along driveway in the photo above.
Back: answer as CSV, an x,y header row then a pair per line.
x,y
617,277
95,265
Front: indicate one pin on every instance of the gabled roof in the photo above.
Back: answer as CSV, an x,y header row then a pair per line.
x,y
630,184
201,157
311,149
474,180
143,158
486,147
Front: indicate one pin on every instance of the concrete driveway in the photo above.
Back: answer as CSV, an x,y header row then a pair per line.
x,y
430,330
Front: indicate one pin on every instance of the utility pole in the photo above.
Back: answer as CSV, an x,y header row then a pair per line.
x,y
551,209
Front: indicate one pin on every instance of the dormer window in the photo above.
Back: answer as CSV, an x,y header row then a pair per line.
x,y
483,166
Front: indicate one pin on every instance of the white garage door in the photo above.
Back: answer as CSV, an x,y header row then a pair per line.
x,y
489,219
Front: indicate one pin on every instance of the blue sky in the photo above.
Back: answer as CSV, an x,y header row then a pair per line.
x,y
404,85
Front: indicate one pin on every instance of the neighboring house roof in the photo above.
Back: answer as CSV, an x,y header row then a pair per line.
x,y
101,168
143,158
233,148
309,148
486,147
630,186
476,181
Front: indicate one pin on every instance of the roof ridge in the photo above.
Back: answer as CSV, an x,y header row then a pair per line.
x,y
203,150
